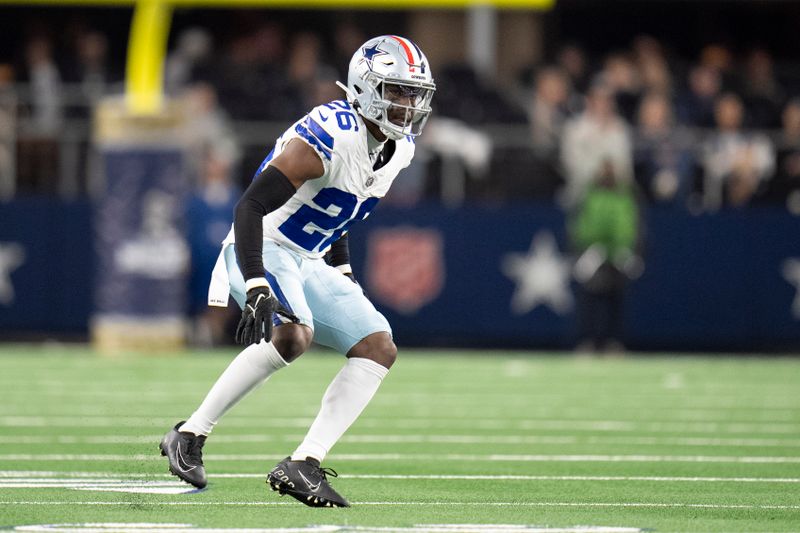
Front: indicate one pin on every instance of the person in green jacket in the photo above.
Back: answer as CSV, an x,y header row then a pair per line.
x,y
605,233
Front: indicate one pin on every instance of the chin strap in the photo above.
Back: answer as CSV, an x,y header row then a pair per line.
x,y
350,96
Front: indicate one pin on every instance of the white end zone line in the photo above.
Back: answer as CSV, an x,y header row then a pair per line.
x,y
423,504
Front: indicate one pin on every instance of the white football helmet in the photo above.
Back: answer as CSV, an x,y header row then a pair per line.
x,y
390,82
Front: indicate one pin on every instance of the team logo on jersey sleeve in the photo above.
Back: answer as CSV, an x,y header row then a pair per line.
x,y
316,136
405,267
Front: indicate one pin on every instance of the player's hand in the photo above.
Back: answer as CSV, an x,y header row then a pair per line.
x,y
256,321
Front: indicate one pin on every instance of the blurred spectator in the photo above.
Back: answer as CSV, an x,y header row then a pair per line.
x,y
38,140
8,134
604,235
208,126
464,152
644,46
209,215
785,187
324,88
548,112
719,57
652,65
622,77
572,59
597,137
304,58
663,163
461,94
346,38
250,77
736,163
89,76
306,69
91,71
696,104
763,94
193,48
46,114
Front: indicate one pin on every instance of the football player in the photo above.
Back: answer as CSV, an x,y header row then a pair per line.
x,y
286,261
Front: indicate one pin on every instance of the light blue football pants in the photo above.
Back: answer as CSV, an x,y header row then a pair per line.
x,y
318,294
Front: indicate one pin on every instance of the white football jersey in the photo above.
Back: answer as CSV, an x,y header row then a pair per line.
x,y
323,209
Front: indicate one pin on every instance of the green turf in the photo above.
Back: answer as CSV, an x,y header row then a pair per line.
x,y
657,443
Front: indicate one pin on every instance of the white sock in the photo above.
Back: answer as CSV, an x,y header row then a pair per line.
x,y
250,369
347,395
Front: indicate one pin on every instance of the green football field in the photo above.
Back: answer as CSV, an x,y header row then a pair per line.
x,y
453,442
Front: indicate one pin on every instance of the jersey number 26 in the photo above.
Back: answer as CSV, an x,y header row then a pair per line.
x,y
304,225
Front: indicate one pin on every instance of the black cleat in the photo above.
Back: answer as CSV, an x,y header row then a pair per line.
x,y
185,454
306,482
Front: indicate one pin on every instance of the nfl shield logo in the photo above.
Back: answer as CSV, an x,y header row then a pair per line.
x,y
405,267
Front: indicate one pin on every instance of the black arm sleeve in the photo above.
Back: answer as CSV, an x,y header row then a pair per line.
x,y
268,191
339,254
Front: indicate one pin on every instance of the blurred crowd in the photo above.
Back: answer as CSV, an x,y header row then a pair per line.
x,y
717,130
721,129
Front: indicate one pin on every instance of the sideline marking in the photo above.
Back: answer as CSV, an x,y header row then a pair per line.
x,y
453,504
522,458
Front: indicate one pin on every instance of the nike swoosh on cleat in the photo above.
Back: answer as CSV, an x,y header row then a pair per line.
x,y
179,459
312,487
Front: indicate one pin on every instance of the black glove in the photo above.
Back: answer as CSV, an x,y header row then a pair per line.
x,y
256,321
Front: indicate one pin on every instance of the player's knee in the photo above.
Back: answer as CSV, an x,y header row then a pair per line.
x,y
388,354
379,347
291,340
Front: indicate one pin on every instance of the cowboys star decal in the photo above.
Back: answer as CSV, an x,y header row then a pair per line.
x,y
370,53
541,276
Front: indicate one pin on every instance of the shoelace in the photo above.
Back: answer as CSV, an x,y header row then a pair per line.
x,y
195,450
327,472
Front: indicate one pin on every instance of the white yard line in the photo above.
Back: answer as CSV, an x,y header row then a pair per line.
x,y
715,427
573,478
422,504
133,439
53,476
460,406
524,458
99,527
427,439
96,527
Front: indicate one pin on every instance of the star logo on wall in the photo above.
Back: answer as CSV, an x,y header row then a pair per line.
x,y
791,273
541,275
12,256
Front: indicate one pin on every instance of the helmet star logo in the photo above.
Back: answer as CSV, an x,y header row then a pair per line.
x,y
371,52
